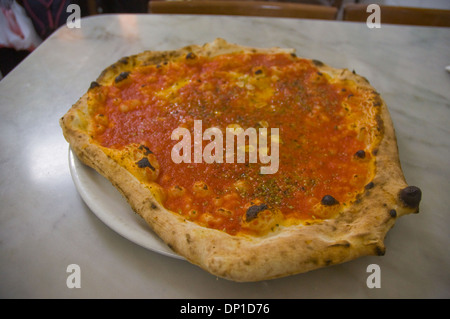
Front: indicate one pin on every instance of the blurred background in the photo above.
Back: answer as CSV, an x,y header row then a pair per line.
x,y
24,24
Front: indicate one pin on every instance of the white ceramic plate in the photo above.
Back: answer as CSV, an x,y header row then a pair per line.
x,y
111,207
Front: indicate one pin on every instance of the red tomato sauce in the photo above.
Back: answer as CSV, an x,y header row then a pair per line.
x,y
317,149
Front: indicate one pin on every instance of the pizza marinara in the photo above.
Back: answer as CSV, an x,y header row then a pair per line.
x,y
338,186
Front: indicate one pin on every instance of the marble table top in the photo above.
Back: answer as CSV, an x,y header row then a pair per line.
x,y
45,225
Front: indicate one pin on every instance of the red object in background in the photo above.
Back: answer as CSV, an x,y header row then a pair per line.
x,y
47,15
12,22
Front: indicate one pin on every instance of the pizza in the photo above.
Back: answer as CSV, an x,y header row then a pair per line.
x,y
252,163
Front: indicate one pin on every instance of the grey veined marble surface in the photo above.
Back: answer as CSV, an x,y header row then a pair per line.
x,y
46,225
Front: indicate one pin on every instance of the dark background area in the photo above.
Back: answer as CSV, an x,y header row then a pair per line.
x,y
49,15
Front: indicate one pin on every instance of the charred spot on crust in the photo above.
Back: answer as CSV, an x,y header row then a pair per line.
x,y
377,102
122,76
329,200
190,56
360,154
147,150
144,163
153,205
94,84
393,213
344,244
380,123
253,211
411,196
369,186
317,63
380,251
124,60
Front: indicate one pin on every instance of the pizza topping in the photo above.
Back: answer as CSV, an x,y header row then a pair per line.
x,y
101,119
411,196
319,130
329,200
253,211
201,189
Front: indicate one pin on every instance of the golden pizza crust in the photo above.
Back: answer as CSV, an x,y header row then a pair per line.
x,y
359,230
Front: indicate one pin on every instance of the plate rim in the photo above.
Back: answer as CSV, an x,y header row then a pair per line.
x,y
78,173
